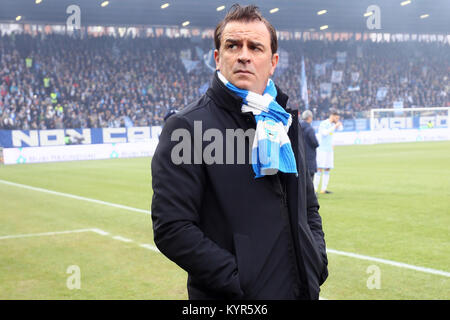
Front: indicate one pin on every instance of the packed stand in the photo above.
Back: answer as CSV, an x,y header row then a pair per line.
x,y
57,81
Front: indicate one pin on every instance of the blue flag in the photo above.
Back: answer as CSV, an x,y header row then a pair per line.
x,y
304,85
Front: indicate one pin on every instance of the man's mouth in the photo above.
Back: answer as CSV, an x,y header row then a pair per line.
x,y
243,72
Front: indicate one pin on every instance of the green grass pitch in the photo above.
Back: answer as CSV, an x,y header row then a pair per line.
x,y
389,201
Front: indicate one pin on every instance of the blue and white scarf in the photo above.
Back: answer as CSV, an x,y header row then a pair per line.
x,y
271,150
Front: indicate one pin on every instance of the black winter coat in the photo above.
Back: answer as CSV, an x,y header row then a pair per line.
x,y
236,236
311,145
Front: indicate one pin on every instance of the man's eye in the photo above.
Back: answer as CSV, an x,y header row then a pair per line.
x,y
231,46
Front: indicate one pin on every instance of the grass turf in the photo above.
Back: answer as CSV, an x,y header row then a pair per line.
x,y
390,201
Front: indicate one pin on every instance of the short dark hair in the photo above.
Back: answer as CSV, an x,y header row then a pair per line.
x,y
248,14
334,112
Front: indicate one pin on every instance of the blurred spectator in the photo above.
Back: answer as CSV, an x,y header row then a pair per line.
x,y
415,73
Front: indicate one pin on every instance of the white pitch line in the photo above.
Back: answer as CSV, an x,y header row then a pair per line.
x,y
99,231
122,239
95,230
348,254
390,262
43,234
72,196
149,246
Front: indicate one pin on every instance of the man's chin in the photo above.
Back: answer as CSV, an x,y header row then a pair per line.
x,y
243,84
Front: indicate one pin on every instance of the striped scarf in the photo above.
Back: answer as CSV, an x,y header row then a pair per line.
x,y
271,150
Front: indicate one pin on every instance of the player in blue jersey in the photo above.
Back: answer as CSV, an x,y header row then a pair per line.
x,y
325,155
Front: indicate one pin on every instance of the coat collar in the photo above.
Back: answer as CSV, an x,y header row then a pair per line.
x,y
225,98
304,124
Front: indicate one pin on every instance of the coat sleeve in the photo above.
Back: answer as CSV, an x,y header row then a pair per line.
x,y
177,197
315,224
312,139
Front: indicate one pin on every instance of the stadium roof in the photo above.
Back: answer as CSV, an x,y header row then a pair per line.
x,y
341,15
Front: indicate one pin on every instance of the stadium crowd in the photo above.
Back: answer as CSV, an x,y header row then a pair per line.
x,y
415,73
59,81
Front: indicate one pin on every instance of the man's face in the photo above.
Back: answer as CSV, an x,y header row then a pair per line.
x,y
245,57
335,118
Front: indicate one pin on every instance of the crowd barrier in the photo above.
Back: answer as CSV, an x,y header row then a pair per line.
x,y
139,142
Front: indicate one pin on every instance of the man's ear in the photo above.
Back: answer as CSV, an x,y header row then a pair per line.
x,y
216,58
274,62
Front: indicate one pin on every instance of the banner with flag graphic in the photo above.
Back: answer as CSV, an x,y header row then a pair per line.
x,y
381,93
208,59
203,88
283,62
304,85
199,52
325,89
355,76
189,65
320,69
336,76
186,54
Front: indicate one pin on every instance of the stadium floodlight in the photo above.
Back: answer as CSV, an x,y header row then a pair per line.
x,y
104,3
274,10
165,5
18,18
38,1
424,16
409,118
220,8
324,27
186,23
368,14
321,12
404,3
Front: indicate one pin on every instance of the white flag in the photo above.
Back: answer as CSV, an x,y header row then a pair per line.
x,y
336,76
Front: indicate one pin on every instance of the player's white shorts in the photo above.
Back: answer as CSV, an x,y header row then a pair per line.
x,y
325,159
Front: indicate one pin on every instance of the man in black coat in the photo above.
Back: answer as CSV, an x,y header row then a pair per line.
x,y
237,236
311,142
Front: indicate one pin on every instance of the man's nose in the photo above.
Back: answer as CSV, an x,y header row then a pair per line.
x,y
244,55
